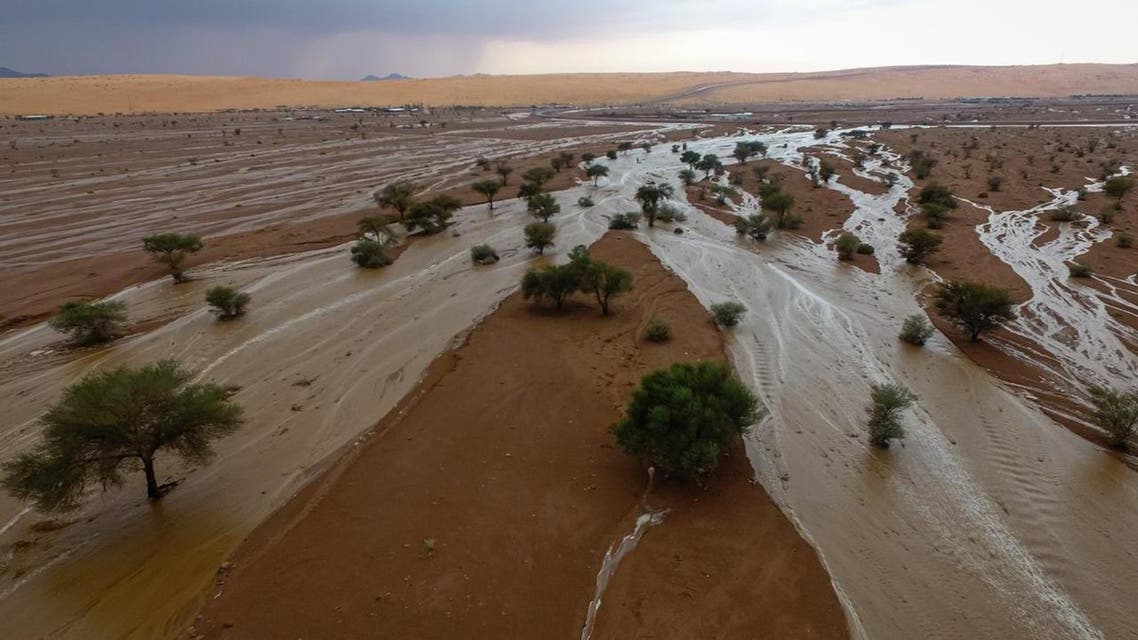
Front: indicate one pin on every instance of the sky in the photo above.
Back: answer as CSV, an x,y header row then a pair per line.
x,y
347,39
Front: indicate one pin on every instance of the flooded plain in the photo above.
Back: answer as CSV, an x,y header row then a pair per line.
x,y
991,520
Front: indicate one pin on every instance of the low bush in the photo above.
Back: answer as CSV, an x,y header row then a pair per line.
x,y
887,401
584,202
91,322
483,254
1125,240
728,314
629,220
227,303
916,330
1079,270
658,331
865,249
846,245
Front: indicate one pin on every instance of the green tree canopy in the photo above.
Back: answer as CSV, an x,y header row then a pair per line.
x,y
227,303
682,419
91,322
488,189
432,216
596,172
172,249
974,306
113,421
539,235
397,195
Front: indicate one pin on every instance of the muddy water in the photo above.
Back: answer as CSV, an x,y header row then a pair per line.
x,y
992,521
1067,319
326,351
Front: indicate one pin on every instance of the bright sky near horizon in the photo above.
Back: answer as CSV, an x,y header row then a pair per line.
x,y
347,39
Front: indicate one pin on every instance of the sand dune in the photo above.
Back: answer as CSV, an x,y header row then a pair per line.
x,y
167,93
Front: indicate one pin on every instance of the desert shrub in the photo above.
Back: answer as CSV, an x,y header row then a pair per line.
x,y
755,226
681,420
935,214
172,249
916,330
1106,216
369,254
1115,412
1082,193
91,322
669,213
539,235
629,220
937,193
921,163
887,401
585,202
1079,270
1066,213
113,421
917,244
687,176
995,182
658,331
846,245
728,314
483,254
227,303
974,306
721,193
865,249
1118,186
826,171
1125,240
611,154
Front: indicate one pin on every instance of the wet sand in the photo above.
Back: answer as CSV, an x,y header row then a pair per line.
x,y
991,520
280,186
483,505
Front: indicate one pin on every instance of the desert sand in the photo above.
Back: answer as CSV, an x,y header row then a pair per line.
x,y
483,505
157,93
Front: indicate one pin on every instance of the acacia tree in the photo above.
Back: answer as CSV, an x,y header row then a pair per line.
x,y
488,189
539,235
1117,188
603,280
91,322
543,205
1115,412
917,244
555,282
682,419
397,195
690,158
709,164
432,216
651,196
538,175
503,170
111,421
596,172
172,249
974,306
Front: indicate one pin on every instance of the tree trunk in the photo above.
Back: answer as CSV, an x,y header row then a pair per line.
x,y
152,490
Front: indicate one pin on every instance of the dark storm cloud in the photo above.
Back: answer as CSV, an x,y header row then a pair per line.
x,y
341,38
487,18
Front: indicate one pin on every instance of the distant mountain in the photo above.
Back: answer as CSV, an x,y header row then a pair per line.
x,y
5,72
390,76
